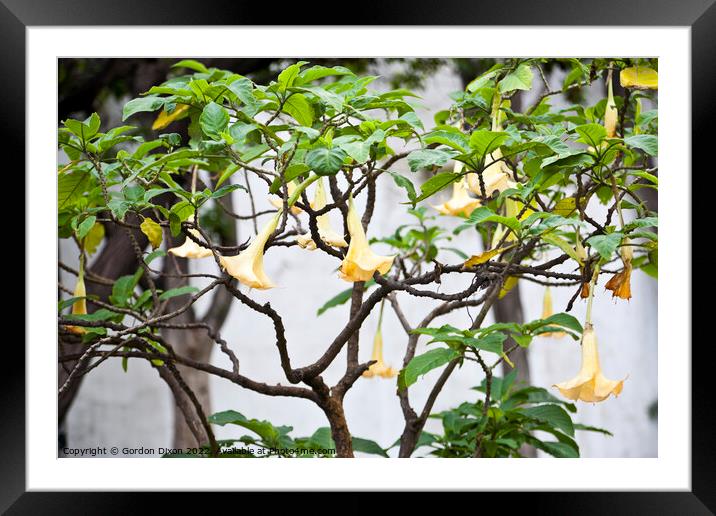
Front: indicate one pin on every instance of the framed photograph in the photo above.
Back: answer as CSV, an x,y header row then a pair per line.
x,y
422,248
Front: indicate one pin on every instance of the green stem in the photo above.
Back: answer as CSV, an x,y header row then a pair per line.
x,y
590,299
300,188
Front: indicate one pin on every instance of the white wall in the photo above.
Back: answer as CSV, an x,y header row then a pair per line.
x,y
134,409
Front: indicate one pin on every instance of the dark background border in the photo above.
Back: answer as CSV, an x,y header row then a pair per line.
x,y
700,15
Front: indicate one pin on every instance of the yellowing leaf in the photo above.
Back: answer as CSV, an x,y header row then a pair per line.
x,y
639,77
164,118
153,232
93,238
565,207
481,258
509,284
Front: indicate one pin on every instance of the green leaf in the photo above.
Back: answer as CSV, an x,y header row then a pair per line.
x,y
342,298
605,245
84,228
553,415
452,138
71,186
179,291
214,120
191,65
591,134
491,343
300,109
423,364
587,428
485,142
319,72
368,446
142,104
406,184
554,448
561,319
325,161
436,183
518,79
428,158
648,143
288,76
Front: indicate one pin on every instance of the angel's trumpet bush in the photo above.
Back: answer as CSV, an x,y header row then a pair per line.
x,y
547,312
248,266
361,262
190,249
620,283
590,384
611,114
325,231
278,202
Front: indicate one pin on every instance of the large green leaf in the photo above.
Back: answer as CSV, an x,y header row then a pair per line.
x,y
436,183
423,364
141,104
70,186
485,142
214,120
518,79
428,158
649,143
300,109
325,161
605,245
553,415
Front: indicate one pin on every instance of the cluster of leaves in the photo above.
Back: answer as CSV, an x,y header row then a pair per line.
x,y
463,344
514,414
267,440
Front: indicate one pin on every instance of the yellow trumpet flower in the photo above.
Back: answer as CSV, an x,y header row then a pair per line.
x,y
590,384
460,203
361,262
379,368
496,176
248,265
79,307
548,311
639,77
620,283
165,118
611,114
325,231
277,202
190,249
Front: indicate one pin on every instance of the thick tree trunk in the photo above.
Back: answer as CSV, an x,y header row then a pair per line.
x,y
339,427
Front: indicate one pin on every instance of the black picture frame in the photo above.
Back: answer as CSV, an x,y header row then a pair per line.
x,y
699,15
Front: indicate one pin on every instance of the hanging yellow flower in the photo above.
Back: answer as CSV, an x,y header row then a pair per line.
x,y
590,384
639,77
611,114
165,118
79,307
248,265
361,262
496,176
190,249
548,311
277,202
620,283
460,203
379,368
325,231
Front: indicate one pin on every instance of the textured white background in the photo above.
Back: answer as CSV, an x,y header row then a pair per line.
x,y
134,409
